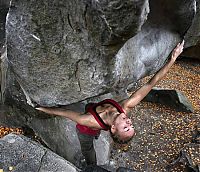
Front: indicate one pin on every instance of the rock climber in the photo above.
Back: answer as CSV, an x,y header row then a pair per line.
x,y
110,115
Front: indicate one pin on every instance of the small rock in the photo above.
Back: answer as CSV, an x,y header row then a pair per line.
x,y
172,98
38,157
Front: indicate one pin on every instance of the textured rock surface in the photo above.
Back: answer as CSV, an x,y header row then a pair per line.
x,y
63,52
22,154
150,47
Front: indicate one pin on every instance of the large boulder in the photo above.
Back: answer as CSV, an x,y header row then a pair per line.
x,y
145,53
62,52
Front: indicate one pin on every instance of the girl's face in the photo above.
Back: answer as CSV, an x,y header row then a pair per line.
x,y
123,127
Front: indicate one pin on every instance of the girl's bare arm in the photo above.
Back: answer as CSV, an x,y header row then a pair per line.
x,y
138,95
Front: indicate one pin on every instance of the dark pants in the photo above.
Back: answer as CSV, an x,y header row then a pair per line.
x,y
87,147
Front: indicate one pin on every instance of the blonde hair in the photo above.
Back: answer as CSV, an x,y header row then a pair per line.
x,y
116,138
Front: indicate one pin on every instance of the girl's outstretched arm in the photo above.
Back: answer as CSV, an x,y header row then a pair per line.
x,y
138,95
74,116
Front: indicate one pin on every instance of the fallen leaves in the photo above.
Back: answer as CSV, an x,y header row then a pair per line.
x,y
6,130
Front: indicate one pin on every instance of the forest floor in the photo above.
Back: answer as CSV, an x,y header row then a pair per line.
x,y
161,132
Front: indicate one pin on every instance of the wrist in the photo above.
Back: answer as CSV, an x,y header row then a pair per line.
x,y
173,59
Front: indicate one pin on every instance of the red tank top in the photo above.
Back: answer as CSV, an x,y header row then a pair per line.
x,y
92,110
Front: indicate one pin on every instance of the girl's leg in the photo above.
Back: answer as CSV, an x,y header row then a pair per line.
x,y
87,148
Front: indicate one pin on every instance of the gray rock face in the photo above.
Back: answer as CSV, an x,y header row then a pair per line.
x,y
146,52
64,52
22,154
66,48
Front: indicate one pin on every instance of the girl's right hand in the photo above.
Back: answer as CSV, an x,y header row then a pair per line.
x,y
177,51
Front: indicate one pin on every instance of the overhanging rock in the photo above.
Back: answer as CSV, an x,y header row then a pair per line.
x,y
62,52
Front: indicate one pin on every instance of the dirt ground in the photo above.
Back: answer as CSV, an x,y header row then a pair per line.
x,y
161,132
